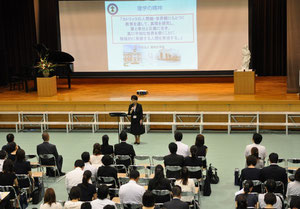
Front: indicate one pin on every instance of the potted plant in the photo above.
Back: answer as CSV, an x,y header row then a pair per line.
x,y
44,66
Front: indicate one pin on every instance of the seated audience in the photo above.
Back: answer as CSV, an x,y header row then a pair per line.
x,y
9,138
173,160
50,200
86,205
270,200
293,188
194,161
176,203
102,199
8,177
247,189
107,171
2,158
182,149
96,156
241,202
87,190
124,149
259,162
47,148
106,149
270,187
159,182
13,148
274,172
257,139
22,166
85,156
74,202
74,177
250,173
148,200
295,203
186,184
132,193
201,148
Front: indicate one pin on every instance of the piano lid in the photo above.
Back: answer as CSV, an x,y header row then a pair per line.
x,y
54,55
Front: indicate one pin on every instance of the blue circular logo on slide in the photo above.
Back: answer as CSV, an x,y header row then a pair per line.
x,y
112,9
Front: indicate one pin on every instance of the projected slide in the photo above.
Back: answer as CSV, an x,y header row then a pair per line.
x,y
151,35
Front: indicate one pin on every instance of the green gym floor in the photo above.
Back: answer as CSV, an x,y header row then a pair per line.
x,y
225,152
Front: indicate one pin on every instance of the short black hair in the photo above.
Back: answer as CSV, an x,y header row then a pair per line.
x,y
107,160
270,198
194,151
270,185
85,156
134,174
12,146
173,147
109,207
123,136
257,138
148,199
103,191
10,137
74,193
79,163
20,155
86,205
178,136
2,154
134,97
251,160
8,166
176,191
273,157
297,175
105,139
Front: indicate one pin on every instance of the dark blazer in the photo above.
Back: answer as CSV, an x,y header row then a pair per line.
x,y
47,148
176,204
124,149
138,112
250,174
165,184
108,171
173,160
276,173
190,161
107,150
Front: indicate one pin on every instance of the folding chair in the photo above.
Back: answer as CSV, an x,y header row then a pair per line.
x,y
120,168
13,192
25,183
107,180
295,161
123,158
144,181
195,171
34,164
132,206
173,169
138,168
161,194
49,164
258,186
142,158
190,195
157,158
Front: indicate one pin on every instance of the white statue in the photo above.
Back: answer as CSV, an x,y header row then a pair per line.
x,y
246,58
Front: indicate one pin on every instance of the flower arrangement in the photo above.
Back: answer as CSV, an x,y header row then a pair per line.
x,y
44,66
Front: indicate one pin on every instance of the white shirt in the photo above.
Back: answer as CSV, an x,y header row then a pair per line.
x,y
93,169
182,149
293,188
262,204
131,193
262,153
1,164
73,178
96,160
99,204
53,206
189,187
72,205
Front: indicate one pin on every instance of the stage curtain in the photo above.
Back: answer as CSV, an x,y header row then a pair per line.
x,y
267,36
17,37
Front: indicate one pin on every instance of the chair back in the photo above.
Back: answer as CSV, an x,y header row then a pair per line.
x,y
132,206
173,168
24,181
157,158
142,158
47,158
107,180
163,192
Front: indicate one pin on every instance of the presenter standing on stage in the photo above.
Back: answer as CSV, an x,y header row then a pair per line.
x,y
136,111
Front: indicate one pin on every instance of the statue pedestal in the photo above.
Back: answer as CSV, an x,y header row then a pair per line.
x,y
244,82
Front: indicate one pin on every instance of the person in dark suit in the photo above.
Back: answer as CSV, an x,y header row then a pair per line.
x,y
194,161
274,172
107,171
136,111
47,148
106,149
173,160
124,149
250,173
176,203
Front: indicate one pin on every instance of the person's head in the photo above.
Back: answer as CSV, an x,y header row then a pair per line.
x,y
12,146
49,196
107,160
173,148
184,175
257,138
45,137
20,155
241,202
134,175
86,177
86,205
109,207
176,191
199,140
297,175
134,99
178,136
8,166
248,186
102,191
2,154
295,203
148,199
270,185
85,156
97,149
273,157
159,172
123,136
193,151
105,139
79,164
75,193
254,152
251,160
270,199
10,137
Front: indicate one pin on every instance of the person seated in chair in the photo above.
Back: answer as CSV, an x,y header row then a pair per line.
x,y
194,161
250,173
148,200
176,203
252,199
270,187
87,190
74,196
293,188
182,149
74,177
102,199
106,149
124,149
270,200
2,158
107,171
23,167
85,156
186,184
173,160
257,139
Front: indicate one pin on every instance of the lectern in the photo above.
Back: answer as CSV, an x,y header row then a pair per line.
x,y
119,115
244,82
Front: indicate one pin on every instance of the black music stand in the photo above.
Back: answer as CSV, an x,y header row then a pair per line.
x,y
118,114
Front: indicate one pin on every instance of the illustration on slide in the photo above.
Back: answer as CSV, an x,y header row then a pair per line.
x,y
132,55
169,55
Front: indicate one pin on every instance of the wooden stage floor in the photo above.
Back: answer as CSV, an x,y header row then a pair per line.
x,y
165,94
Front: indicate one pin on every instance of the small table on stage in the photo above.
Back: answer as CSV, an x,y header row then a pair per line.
x,y
119,115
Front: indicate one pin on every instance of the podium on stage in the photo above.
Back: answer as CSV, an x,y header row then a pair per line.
x,y
244,82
